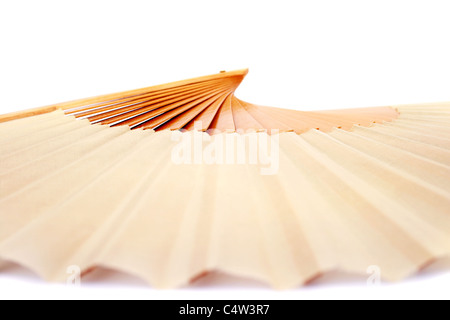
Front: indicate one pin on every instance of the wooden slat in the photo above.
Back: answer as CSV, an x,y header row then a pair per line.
x,y
201,103
223,121
154,104
242,118
206,117
80,102
151,111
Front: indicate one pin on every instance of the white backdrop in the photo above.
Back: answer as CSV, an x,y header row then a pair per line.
x,y
302,54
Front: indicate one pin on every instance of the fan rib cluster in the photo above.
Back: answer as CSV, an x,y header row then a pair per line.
x,y
210,102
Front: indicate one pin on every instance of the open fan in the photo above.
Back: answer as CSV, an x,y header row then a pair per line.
x,y
172,181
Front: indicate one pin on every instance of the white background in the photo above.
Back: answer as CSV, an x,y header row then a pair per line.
x,y
301,54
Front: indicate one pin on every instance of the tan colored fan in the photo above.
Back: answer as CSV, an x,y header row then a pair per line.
x,y
276,195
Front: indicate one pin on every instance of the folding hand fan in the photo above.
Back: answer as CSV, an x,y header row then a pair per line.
x,y
172,181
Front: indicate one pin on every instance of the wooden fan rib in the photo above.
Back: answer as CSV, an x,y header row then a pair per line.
x,y
338,120
239,74
269,123
299,126
157,109
299,123
206,117
380,115
242,119
303,117
189,115
155,96
108,97
151,103
223,120
386,111
201,103
144,95
141,118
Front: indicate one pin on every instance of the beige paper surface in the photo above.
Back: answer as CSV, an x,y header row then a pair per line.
x,y
73,193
